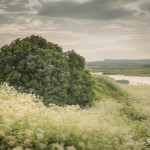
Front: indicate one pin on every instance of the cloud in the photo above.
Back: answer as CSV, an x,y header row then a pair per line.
x,y
92,9
14,5
13,2
10,18
96,29
16,8
145,6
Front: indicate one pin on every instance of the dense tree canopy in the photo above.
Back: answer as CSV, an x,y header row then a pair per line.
x,y
33,64
80,87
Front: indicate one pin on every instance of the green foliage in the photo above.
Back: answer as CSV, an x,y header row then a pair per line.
x,y
81,85
26,125
123,81
131,113
35,65
123,67
108,88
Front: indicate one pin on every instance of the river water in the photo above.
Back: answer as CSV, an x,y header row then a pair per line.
x,y
134,80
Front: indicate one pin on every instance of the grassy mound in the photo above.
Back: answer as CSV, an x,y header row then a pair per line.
x,y
108,88
26,124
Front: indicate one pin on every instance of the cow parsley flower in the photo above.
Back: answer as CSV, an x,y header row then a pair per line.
x,y
71,148
18,148
42,146
40,136
57,146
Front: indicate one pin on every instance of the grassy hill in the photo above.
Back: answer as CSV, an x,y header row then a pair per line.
x,y
118,120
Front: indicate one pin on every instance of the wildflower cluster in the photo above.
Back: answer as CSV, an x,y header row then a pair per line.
x,y
27,124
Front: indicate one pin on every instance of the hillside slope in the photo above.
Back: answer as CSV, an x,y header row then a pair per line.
x,y
25,123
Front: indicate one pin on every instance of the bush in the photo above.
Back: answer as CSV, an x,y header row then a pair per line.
x,y
35,65
123,81
146,66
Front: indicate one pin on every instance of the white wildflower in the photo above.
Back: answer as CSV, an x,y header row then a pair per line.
x,y
7,120
63,136
40,130
21,123
11,138
27,142
71,148
11,143
29,132
90,146
42,146
40,136
84,137
81,144
57,146
18,148
33,124
148,140
20,133
2,133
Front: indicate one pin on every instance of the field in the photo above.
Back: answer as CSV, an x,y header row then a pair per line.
x,y
118,120
128,67
143,72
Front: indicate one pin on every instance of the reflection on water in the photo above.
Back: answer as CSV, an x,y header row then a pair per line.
x,y
133,79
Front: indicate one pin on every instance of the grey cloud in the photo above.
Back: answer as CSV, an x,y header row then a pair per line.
x,y
7,19
145,6
14,5
19,19
16,8
13,2
93,9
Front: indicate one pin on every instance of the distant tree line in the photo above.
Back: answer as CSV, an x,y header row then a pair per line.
x,y
35,65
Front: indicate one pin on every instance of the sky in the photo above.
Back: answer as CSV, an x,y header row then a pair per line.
x,y
96,29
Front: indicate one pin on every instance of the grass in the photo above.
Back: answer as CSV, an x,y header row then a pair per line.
x,y
145,72
119,120
108,88
127,68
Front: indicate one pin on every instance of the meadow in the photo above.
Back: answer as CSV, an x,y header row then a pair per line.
x,y
118,119
122,67
143,72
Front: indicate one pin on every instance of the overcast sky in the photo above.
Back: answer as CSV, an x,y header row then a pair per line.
x,y
96,29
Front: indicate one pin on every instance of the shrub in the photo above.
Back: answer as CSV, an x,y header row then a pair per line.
x,y
146,66
123,81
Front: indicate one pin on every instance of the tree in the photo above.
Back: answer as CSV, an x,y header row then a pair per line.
x,y
35,65
81,85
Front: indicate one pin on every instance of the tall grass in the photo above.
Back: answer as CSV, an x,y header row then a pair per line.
x,y
25,123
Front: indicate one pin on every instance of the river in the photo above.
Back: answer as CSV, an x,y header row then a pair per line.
x,y
134,80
